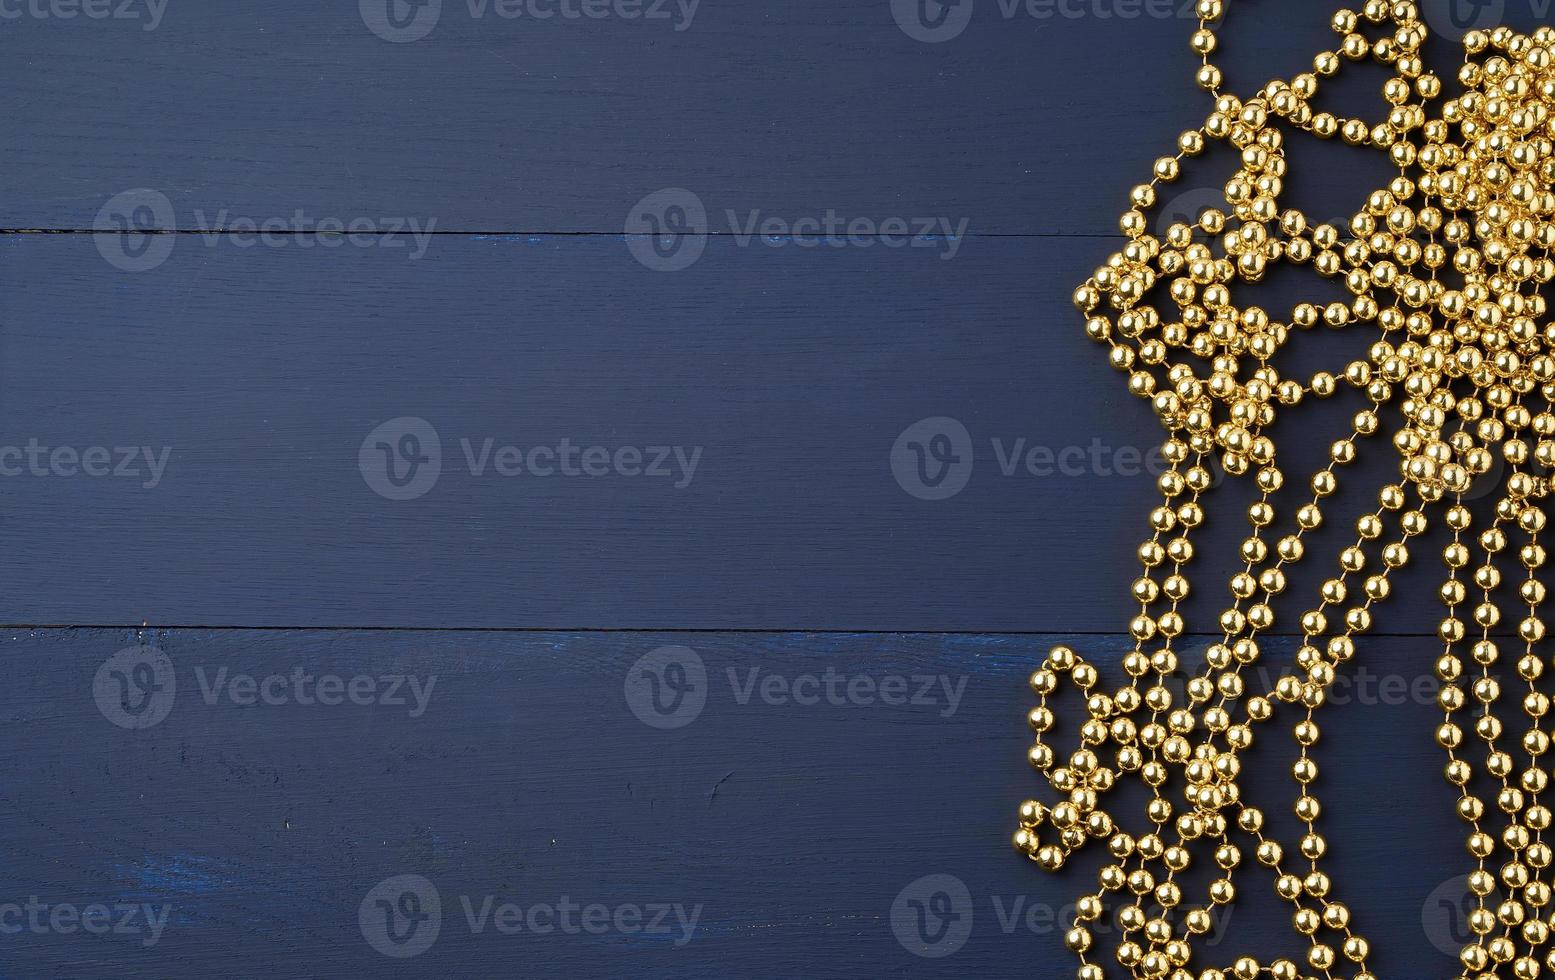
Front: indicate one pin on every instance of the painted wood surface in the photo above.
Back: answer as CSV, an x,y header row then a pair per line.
x,y
1020,116
824,242
490,123
787,797
252,385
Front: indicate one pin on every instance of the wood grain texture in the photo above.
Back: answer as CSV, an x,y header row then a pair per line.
x,y
1035,122
529,146
528,776
261,372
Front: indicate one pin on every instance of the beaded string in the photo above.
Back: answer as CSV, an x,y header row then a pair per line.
x,y
1446,263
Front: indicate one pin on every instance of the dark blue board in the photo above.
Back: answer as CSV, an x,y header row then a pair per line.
x,y
987,169
799,381
1035,122
527,774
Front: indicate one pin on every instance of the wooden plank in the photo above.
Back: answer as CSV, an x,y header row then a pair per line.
x,y
255,381
1035,122
529,776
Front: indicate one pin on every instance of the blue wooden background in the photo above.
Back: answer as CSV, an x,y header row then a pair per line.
x,y
190,426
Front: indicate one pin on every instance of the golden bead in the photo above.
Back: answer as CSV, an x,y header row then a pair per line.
x,y
1442,268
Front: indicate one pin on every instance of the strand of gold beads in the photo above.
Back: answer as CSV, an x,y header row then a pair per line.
x,y
1446,263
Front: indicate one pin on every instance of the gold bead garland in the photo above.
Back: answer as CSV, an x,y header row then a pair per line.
x,y
1446,263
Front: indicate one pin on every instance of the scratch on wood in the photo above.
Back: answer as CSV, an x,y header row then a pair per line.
x,y
713,793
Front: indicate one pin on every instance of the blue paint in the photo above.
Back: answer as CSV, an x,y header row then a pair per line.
x,y
796,519
517,239
530,778
795,825
184,875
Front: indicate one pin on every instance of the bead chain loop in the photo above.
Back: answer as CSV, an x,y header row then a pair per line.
x,y
1447,263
